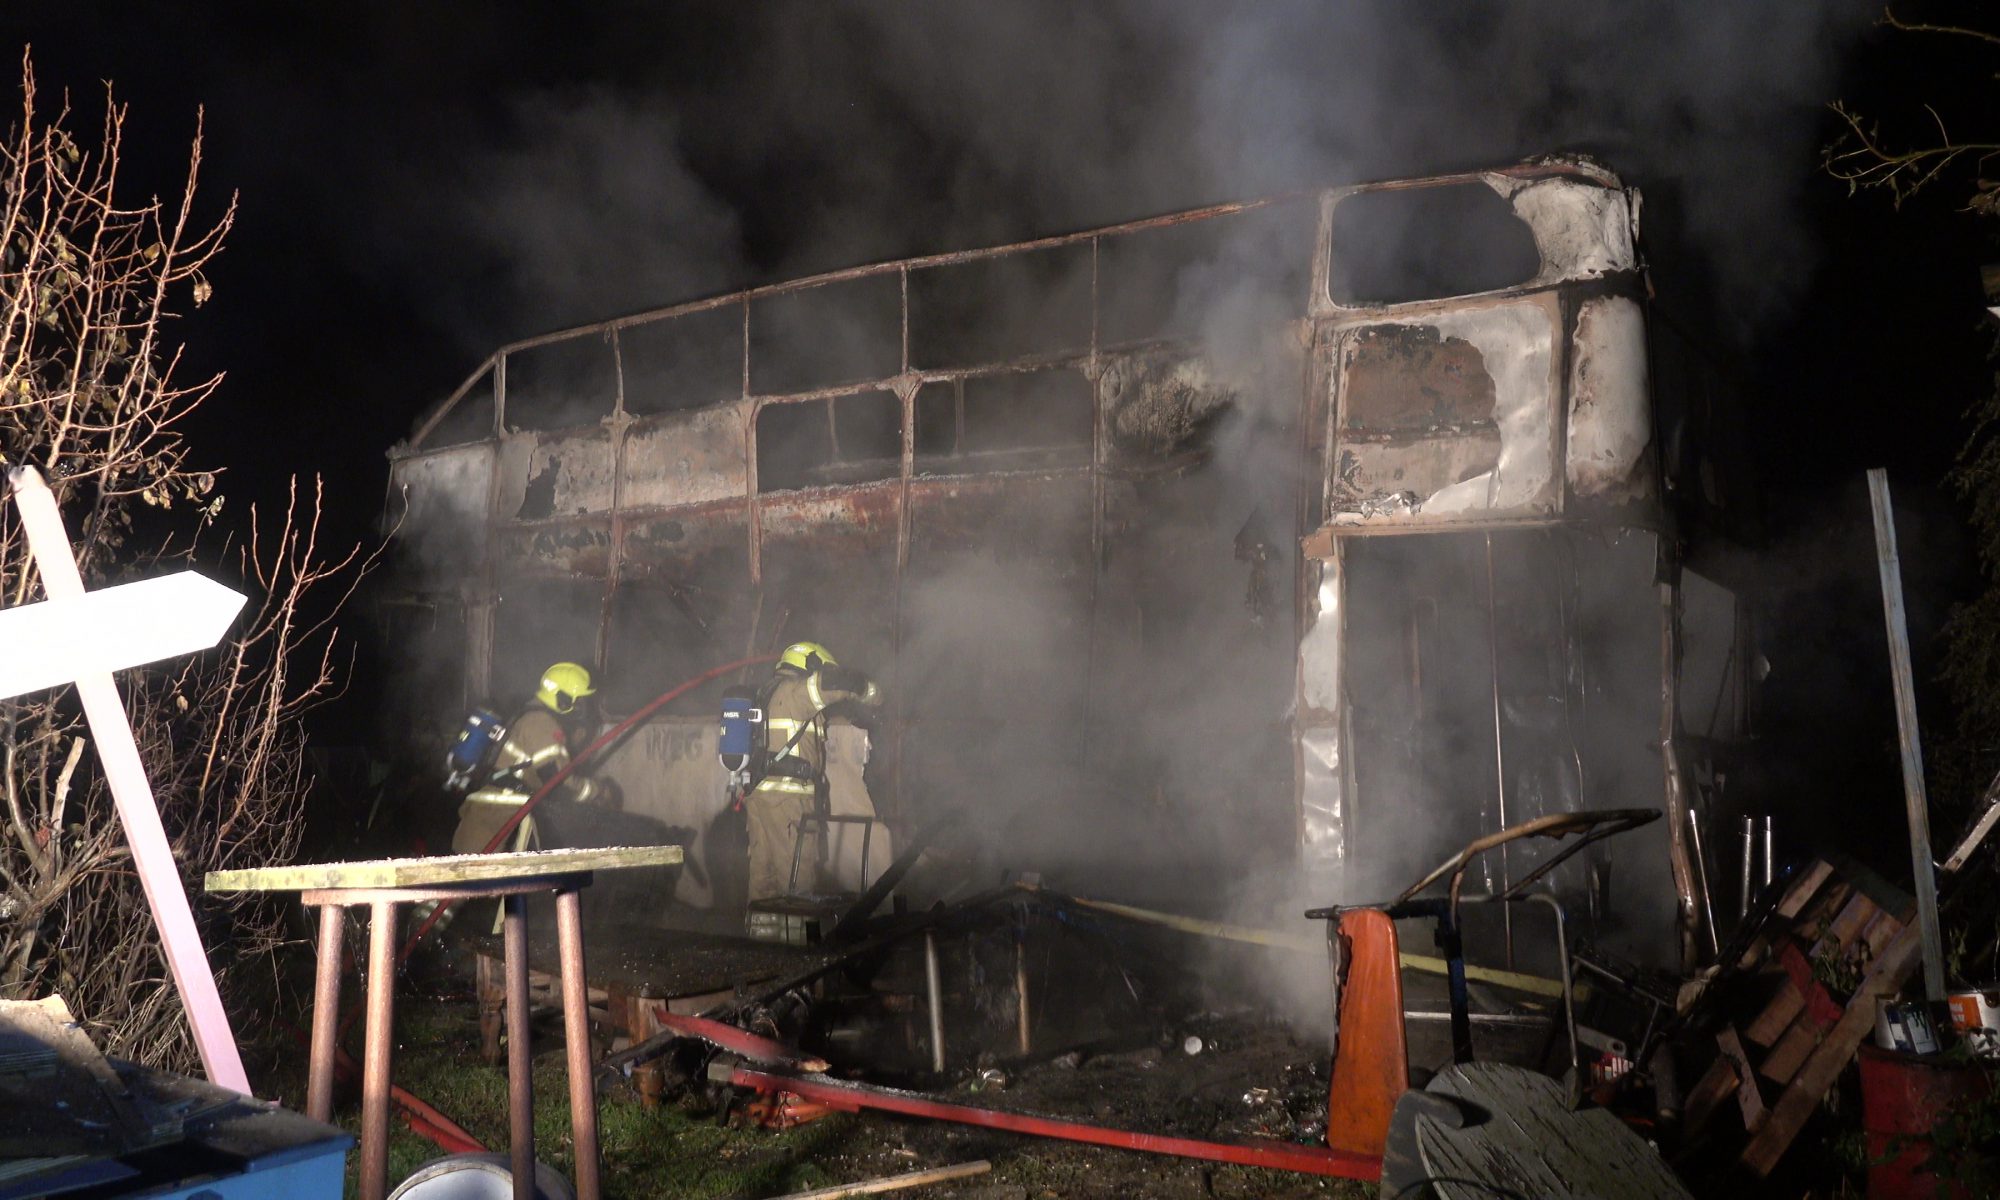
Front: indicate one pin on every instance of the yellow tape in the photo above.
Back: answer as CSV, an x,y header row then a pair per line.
x,y
1300,943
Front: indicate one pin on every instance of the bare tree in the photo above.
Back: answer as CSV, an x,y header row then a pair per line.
x,y
1864,158
90,283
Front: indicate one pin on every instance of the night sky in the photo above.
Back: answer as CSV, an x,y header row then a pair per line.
x,y
419,183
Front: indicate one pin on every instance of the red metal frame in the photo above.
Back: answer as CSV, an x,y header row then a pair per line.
x,y
852,1097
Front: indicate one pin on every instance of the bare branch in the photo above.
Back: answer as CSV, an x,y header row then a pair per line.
x,y
89,389
1890,19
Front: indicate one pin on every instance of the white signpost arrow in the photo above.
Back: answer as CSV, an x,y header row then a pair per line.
x,y
81,637
51,643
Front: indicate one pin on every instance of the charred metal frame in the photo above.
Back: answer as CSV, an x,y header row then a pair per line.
x,y
888,500
715,447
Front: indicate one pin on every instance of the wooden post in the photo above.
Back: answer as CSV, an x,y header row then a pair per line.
x,y
1924,878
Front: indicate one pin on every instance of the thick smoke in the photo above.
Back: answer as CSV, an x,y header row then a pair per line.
x,y
811,136
838,133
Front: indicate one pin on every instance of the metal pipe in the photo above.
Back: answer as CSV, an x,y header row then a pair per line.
x,y
520,1061
1674,783
1021,1018
1526,1020
935,992
326,1013
1667,1097
1569,992
379,1046
1499,751
1770,853
1701,880
1746,887
576,1039
1916,806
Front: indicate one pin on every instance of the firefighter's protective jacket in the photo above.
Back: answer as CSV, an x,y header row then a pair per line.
x,y
795,736
534,749
796,710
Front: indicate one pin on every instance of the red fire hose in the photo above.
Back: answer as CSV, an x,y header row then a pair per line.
x,y
582,756
555,781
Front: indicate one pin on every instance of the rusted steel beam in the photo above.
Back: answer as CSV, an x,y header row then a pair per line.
x,y
852,1097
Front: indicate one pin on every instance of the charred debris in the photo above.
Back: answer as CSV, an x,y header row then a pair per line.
x,y
1217,567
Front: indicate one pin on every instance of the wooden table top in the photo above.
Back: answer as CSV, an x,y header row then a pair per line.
x,y
441,870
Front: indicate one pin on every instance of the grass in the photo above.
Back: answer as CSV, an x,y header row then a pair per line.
x,y
671,1151
679,1151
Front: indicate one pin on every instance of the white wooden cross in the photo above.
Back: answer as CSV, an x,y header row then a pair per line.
x,y
82,637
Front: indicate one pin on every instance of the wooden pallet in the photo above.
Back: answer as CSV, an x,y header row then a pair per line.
x,y
1800,1041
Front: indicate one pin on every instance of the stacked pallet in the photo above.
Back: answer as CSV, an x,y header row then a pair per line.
x,y
1780,1064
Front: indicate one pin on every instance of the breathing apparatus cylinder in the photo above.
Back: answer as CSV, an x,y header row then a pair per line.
x,y
478,740
740,742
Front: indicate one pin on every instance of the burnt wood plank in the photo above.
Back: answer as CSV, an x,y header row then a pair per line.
x,y
1796,1106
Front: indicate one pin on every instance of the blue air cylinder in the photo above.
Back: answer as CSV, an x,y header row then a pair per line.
x,y
741,738
477,741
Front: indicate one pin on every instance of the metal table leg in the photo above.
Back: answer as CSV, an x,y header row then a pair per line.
x,y
576,1036
520,1066
381,1044
326,1013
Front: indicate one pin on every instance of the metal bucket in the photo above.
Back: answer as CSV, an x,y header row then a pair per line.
x,y
477,1177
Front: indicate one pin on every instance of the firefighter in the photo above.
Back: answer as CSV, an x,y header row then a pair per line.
x,y
535,747
806,683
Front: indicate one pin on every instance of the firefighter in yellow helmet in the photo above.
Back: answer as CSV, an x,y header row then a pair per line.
x,y
535,747
806,683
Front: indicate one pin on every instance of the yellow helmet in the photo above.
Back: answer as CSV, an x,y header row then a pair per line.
x,y
806,656
563,685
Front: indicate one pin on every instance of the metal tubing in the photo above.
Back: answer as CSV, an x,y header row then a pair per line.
x,y
1916,805
1523,1020
1569,986
1452,946
326,1013
380,1045
1499,754
1021,1018
1746,886
520,1049
1770,853
576,1038
1701,881
1674,783
934,991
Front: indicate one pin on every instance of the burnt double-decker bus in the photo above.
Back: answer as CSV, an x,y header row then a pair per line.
x,y
1305,537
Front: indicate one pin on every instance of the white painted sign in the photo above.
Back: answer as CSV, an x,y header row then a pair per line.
x,y
49,644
